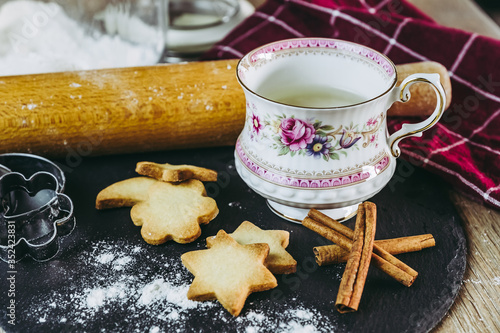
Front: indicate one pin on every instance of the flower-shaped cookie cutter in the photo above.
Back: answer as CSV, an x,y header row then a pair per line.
x,y
34,213
4,170
29,164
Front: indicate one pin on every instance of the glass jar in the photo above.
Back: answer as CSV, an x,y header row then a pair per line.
x,y
199,14
195,25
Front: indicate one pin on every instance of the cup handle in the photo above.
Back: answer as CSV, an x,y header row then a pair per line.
x,y
409,130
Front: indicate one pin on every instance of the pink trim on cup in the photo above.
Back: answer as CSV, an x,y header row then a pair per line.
x,y
326,43
345,180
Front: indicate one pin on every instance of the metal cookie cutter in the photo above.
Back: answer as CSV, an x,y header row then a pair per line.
x,y
33,213
29,164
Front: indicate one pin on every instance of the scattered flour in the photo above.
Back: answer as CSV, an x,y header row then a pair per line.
x,y
235,204
477,281
494,281
303,314
296,320
120,263
160,289
148,294
95,298
105,258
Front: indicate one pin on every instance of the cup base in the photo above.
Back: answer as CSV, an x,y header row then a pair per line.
x,y
296,215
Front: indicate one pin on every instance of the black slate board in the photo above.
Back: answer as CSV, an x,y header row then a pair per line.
x,y
416,204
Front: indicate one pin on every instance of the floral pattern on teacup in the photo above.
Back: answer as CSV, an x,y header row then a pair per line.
x,y
323,180
295,136
257,124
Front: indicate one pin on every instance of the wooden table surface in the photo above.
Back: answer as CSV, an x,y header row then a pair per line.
x,y
477,307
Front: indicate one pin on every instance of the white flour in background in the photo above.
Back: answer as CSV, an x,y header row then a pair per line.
x,y
38,37
154,300
496,281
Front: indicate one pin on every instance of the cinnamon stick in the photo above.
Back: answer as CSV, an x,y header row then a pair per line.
x,y
334,254
353,280
342,236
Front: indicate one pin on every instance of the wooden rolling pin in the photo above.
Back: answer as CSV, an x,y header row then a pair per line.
x,y
127,110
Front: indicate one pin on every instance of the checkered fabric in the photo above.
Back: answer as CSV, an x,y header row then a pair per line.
x,y
464,148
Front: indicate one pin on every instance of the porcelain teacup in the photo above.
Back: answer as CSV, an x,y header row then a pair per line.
x,y
315,134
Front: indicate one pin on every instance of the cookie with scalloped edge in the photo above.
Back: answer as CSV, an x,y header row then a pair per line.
x,y
228,272
279,260
125,193
175,173
165,211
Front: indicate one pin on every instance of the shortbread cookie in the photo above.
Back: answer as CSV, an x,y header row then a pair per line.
x,y
279,260
228,272
125,193
164,210
175,173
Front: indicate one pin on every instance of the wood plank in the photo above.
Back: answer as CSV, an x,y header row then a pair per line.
x,y
460,14
477,306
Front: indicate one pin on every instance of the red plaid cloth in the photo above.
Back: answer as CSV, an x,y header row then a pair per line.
x,y
464,148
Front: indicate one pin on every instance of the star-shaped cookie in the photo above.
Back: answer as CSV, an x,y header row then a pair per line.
x,y
228,272
279,260
164,210
175,173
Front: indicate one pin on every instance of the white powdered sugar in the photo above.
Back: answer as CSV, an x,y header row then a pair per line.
x,y
111,282
161,290
496,281
120,263
105,258
296,320
131,288
95,298
98,296
38,37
